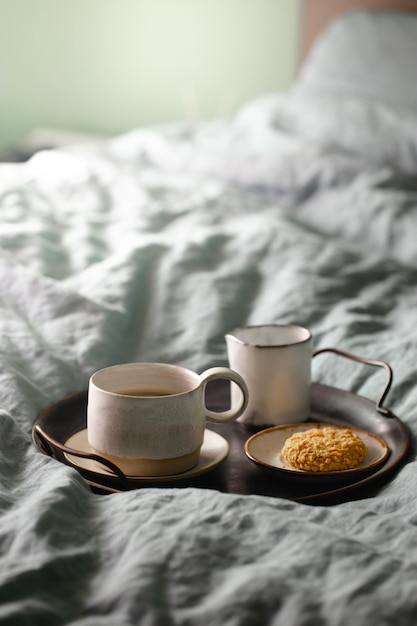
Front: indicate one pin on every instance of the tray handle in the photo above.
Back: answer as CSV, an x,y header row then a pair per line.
x,y
379,405
48,444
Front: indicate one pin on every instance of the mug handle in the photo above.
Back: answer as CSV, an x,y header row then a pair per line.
x,y
215,373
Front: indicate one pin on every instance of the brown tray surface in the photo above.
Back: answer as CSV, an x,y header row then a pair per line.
x,y
237,474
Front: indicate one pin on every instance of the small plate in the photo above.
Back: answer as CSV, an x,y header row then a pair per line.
x,y
264,448
214,451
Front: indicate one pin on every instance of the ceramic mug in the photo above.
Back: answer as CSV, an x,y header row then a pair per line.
x,y
275,362
149,418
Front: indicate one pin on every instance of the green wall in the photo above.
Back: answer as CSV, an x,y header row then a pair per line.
x,y
107,66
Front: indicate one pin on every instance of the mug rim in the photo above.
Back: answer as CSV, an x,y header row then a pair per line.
x,y
145,364
270,345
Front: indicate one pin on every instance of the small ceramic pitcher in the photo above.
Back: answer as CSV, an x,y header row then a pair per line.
x,y
275,362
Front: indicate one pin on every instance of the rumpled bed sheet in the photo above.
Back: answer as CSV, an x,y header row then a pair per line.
x,y
151,247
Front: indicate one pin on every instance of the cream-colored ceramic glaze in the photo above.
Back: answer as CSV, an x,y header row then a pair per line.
x,y
213,452
154,467
275,362
265,448
154,428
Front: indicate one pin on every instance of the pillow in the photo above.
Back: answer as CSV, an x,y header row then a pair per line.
x,y
369,53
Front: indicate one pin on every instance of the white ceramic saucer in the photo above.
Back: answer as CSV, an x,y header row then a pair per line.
x,y
264,448
214,451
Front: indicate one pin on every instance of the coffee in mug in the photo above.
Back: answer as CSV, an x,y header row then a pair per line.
x,y
146,392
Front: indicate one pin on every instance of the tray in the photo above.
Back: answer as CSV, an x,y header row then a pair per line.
x,y
237,474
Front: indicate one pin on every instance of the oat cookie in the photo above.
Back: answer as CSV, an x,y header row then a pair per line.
x,y
324,449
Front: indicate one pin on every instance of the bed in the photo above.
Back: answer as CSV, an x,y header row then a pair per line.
x,y
153,245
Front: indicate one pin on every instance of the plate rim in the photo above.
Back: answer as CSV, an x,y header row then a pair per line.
x,y
305,473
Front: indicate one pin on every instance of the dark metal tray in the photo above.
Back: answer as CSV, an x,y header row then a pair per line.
x,y
237,474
